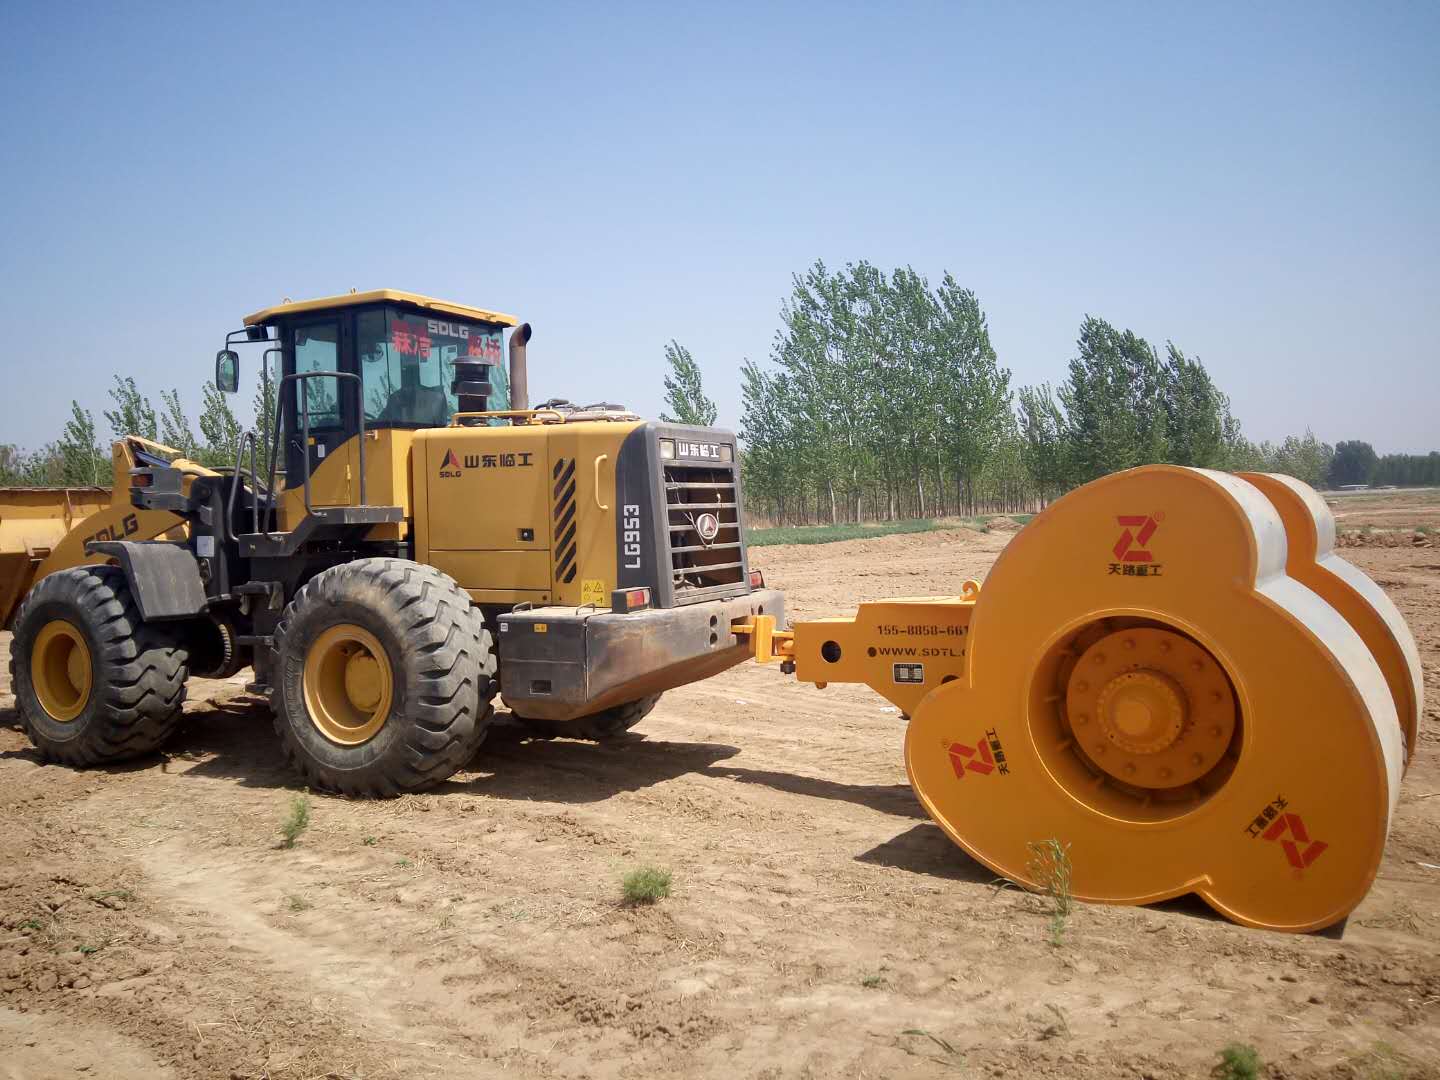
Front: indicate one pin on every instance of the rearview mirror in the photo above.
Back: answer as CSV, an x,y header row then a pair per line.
x,y
227,371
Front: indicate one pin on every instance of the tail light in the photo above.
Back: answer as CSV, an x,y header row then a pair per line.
x,y
627,600
757,579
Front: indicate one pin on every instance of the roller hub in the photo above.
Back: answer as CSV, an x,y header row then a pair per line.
x,y
1141,711
1150,708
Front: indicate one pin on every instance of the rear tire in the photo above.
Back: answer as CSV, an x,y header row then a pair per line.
x,y
93,682
598,727
385,678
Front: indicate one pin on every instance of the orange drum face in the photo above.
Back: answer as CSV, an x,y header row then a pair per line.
x,y
1150,685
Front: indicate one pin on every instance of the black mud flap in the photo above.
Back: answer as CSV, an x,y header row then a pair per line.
x,y
164,577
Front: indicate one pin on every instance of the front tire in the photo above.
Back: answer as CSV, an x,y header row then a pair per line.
x,y
385,678
93,682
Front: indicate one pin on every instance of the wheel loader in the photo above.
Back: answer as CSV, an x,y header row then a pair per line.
x,y
1169,680
414,545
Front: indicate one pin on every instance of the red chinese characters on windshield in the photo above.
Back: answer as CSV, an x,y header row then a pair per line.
x,y
408,341
418,340
484,347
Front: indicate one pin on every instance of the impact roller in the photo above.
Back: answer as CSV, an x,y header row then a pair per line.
x,y
1171,672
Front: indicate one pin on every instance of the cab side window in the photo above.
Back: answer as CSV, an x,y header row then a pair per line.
x,y
317,348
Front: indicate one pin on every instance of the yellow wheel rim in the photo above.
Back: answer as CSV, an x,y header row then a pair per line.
x,y
60,670
348,684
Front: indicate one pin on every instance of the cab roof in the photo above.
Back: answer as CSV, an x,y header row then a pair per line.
x,y
376,296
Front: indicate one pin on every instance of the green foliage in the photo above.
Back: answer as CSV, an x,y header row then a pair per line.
x,y
1408,470
829,534
883,400
1238,1061
1114,411
175,427
1355,462
219,428
1121,406
1042,426
133,414
684,394
296,821
646,885
78,451
264,403
1050,867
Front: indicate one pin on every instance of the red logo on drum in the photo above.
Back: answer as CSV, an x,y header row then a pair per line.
x,y
983,758
1137,529
1298,856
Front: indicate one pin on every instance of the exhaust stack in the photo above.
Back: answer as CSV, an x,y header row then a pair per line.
x,y
519,382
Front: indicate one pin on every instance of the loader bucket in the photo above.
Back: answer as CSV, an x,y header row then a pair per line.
x,y
1171,674
43,530
33,522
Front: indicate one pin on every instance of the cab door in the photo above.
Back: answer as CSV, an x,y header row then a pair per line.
x,y
317,345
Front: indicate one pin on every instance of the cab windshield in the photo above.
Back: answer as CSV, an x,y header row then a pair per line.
x,y
408,363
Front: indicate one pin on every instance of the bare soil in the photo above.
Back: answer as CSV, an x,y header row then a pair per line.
x,y
820,925
1402,518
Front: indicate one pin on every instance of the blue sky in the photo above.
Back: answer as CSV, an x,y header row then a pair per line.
x,y
1259,183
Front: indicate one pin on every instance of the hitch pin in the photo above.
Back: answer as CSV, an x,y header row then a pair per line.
x,y
767,644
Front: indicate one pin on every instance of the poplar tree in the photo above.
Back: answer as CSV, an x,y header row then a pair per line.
x,y
684,393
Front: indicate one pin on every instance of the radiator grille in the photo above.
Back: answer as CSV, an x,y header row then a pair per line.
x,y
701,567
564,519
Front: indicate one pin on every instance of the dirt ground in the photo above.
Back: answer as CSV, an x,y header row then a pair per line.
x,y
820,925
1386,518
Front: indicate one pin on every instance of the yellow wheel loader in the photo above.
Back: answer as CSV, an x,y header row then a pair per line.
x,y
413,545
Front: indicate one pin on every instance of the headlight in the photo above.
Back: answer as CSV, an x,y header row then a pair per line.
x,y
667,448
727,452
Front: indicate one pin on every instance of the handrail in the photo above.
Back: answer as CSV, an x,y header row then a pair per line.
x,y
246,437
528,414
301,376
598,460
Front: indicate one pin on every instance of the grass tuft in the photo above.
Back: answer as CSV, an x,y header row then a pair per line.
x,y
296,821
645,885
948,1056
298,902
1050,867
1382,1062
1238,1061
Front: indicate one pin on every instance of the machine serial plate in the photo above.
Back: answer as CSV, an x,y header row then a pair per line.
x,y
909,673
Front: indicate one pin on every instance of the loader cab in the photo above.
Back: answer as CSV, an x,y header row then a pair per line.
x,y
419,361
